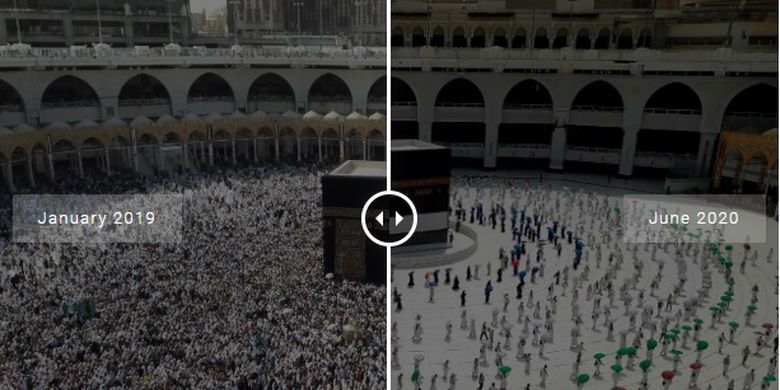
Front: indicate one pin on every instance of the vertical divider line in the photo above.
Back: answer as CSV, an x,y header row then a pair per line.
x,y
388,173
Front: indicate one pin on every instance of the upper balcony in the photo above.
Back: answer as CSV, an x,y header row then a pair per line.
x,y
24,56
568,60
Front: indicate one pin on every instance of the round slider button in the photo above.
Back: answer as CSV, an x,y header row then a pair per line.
x,y
392,216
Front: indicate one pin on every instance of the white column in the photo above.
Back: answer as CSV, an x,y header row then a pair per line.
x,y
134,151
160,162
276,147
211,154
79,163
319,147
8,173
233,150
298,142
365,150
50,160
425,131
628,152
30,173
254,148
491,146
108,161
185,156
341,149
558,148
704,155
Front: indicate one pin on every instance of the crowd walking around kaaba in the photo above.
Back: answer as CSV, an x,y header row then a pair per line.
x,y
242,302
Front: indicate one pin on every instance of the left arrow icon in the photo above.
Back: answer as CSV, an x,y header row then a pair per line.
x,y
381,218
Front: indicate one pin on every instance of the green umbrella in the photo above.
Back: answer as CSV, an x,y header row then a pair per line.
x,y
632,351
676,352
623,351
651,344
769,378
698,321
505,369
752,308
729,247
599,356
670,336
730,282
715,309
583,378
686,328
702,345
728,264
645,364
722,304
617,368
416,375
726,298
617,210
675,331
734,324
729,293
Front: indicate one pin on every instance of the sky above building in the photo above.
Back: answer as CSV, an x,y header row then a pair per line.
x,y
209,5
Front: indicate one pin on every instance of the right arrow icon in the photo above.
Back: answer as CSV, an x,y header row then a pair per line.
x,y
398,219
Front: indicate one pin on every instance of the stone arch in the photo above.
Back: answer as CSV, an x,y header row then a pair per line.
x,y
459,37
675,96
598,96
10,98
602,39
645,38
375,145
210,93
754,107
418,37
478,37
402,93
69,89
271,93
354,142
561,38
397,37
583,39
70,99
288,143
499,37
330,93
437,37
520,38
143,95
528,93
541,40
460,92
625,40
377,95
64,156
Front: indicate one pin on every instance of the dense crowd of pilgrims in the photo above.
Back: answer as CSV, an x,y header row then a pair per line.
x,y
241,303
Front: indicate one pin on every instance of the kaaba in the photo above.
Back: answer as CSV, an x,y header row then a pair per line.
x,y
421,171
348,252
